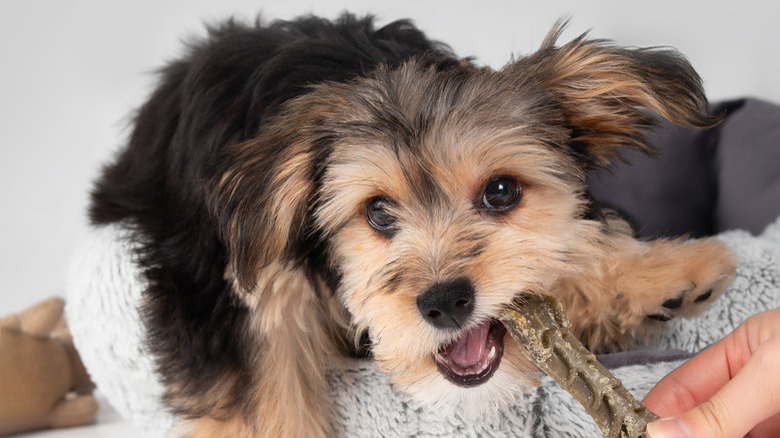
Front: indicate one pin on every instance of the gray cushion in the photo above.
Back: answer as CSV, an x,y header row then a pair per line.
x,y
702,182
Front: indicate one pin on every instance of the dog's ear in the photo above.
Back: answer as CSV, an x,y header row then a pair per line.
x,y
606,92
262,201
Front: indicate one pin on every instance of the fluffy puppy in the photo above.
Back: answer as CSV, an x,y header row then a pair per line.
x,y
311,189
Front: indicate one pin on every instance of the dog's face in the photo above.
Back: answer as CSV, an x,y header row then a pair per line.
x,y
442,202
437,196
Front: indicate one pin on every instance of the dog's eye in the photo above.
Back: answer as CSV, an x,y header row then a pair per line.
x,y
501,194
377,215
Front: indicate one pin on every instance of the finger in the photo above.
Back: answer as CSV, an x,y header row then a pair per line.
x,y
744,402
699,378
747,400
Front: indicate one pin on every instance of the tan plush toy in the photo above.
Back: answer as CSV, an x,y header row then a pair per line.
x,y
42,380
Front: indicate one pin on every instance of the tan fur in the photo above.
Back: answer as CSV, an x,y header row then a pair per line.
x,y
296,334
514,122
608,303
609,281
538,248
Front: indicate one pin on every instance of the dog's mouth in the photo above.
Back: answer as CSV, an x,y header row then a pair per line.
x,y
474,357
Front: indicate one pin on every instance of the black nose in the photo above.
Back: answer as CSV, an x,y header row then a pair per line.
x,y
447,304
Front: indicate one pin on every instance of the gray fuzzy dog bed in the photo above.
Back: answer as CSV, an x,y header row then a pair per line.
x,y
105,290
720,179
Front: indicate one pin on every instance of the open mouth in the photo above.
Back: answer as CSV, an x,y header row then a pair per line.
x,y
474,357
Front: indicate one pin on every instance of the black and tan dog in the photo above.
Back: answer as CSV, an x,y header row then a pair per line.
x,y
310,189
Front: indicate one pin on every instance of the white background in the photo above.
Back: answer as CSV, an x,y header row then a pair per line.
x,y
71,73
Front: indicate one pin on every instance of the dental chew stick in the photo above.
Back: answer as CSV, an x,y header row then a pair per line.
x,y
540,327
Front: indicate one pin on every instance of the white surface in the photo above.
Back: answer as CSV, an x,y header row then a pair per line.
x,y
71,72
108,425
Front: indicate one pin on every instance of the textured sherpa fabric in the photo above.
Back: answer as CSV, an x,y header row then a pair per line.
x,y
103,294
105,289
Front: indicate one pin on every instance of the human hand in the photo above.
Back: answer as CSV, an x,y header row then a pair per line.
x,y
730,389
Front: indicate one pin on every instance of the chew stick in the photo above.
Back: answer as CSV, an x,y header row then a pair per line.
x,y
540,327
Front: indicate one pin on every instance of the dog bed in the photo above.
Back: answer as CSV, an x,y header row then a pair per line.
x,y
105,290
703,186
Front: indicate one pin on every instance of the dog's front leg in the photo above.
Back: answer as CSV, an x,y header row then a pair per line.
x,y
635,286
288,397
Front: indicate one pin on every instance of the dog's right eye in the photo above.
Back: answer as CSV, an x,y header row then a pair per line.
x,y
501,194
377,215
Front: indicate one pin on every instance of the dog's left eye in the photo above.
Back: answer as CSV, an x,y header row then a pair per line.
x,y
377,215
501,194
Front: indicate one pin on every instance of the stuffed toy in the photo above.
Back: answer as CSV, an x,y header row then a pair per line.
x,y
43,383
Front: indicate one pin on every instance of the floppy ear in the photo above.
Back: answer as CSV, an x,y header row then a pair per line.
x,y
605,91
264,191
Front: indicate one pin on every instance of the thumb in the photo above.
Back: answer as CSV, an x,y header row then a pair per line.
x,y
741,404
705,420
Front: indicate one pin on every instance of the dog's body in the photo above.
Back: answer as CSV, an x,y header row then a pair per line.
x,y
300,186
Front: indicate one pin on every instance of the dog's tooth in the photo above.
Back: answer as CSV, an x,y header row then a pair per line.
x,y
492,353
445,361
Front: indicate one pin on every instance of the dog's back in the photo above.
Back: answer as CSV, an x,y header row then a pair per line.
x,y
224,89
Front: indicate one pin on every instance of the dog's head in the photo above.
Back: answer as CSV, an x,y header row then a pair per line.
x,y
434,196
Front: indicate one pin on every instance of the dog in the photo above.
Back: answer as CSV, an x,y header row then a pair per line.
x,y
308,190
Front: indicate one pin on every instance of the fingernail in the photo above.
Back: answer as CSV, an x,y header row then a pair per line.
x,y
670,427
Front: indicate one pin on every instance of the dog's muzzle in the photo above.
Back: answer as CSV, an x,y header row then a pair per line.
x,y
476,354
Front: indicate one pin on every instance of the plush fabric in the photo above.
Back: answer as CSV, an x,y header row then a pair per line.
x,y
104,292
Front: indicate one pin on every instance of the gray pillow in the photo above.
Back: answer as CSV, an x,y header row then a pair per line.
x,y
701,182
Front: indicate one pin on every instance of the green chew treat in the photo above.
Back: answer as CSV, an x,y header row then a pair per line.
x,y
540,327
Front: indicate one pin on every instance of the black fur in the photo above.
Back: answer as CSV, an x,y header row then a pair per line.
x,y
219,94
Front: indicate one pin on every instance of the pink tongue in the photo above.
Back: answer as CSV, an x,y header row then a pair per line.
x,y
468,349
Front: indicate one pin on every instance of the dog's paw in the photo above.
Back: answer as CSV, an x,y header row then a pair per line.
x,y
645,285
689,301
695,274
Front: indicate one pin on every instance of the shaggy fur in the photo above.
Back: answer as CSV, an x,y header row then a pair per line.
x,y
306,190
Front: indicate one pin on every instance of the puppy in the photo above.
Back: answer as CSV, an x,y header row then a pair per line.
x,y
309,189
